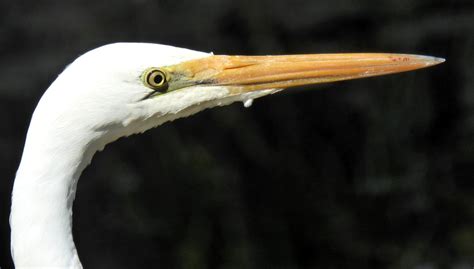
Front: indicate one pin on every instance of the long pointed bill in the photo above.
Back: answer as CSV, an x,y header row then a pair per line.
x,y
251,73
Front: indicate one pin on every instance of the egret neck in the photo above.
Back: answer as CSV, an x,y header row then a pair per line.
x,y
45,187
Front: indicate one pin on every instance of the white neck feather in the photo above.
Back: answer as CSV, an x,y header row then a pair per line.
x,y
58,147
43,193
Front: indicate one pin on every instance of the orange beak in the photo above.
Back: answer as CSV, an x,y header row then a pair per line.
x,y
251,73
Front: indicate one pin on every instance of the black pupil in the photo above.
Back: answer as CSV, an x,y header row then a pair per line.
x,y
158,79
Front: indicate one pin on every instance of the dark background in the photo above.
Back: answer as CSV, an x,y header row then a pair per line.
x,y
374,173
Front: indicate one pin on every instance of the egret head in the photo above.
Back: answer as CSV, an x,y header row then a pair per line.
x,y
125,88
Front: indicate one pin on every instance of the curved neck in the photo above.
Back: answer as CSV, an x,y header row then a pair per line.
x,y
43,194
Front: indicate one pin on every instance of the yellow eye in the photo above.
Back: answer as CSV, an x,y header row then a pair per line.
x,y
155,78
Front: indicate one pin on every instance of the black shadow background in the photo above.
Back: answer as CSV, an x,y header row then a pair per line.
x,y
375,173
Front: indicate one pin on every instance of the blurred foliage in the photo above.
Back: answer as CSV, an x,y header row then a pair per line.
x,y
374,173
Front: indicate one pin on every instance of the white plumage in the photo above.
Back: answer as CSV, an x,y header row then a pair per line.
x,y
103,96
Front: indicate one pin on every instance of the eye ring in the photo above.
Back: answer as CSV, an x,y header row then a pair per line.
x,y
155,78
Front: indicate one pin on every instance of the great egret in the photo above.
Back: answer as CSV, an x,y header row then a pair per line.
x,y
127,88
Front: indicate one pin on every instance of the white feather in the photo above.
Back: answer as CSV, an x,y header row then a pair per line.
x,y
96,100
